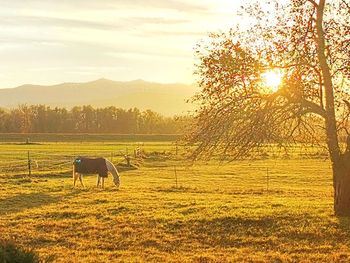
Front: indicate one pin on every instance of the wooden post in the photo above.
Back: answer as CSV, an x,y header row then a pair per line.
x,y
127,158
175,176
29,165
176,149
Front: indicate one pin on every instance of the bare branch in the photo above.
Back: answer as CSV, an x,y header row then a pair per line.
x,y
313,3
347,104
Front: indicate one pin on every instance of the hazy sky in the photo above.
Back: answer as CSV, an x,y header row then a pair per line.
x,y
52,41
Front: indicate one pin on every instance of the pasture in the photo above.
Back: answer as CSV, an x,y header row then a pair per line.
x,y
274,209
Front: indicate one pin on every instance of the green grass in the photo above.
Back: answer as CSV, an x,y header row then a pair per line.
x,y
217,213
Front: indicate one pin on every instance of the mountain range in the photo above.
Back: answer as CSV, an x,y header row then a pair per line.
x,y
167,99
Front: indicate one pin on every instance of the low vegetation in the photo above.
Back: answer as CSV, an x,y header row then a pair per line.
x,y
275,209
87,119
10,253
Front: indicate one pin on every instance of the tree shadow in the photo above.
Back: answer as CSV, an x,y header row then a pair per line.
x,y
344,225
260,232
21,202
226,231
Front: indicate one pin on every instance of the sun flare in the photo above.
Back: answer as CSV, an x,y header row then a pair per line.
x,y
272,79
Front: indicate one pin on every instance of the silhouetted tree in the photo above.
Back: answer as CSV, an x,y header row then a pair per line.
x,y
307,40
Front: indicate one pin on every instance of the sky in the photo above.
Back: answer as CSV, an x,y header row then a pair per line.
x,y
53,41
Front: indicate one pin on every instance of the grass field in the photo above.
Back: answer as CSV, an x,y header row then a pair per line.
x,y
271,210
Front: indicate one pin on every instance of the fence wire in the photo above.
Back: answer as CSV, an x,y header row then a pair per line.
x,y
34,162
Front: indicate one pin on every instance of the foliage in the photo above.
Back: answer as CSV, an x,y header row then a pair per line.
x,y
86,119
34,138
239,113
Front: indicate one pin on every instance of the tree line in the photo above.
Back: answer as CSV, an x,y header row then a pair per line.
x,y
87,119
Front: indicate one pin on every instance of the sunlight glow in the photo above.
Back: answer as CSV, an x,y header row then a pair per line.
x,y
272,79
109,33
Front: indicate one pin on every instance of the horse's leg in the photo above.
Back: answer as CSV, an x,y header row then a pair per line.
x,y
98,181
81,180
103,183
75,178
74,175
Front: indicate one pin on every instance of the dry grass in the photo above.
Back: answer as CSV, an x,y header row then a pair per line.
x,y
216,214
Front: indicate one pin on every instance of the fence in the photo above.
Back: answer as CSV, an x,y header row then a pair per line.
x,y
57,158
37,162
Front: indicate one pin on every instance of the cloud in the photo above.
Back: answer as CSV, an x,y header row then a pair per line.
x,y
170,33
121,23
112,36
177,5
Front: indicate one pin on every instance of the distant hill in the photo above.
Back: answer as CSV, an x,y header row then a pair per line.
x,y
167,99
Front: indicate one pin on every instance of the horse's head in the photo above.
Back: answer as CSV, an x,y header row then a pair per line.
x,y
116,181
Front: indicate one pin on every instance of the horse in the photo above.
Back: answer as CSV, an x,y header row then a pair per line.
x,y
101,166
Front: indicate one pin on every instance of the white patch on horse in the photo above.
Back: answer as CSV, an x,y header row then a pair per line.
x,y
113,170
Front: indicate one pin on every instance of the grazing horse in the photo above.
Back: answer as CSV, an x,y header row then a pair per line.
x,y
100,166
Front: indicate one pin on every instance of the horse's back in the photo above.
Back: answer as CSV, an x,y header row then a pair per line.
x,y
87,165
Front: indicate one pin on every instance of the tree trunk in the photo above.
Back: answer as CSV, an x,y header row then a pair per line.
x,y
330,121
340,162
341,184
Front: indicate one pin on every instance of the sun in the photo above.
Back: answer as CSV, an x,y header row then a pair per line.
x,y
272,79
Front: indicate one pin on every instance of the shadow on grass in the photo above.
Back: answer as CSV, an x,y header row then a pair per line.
x,y
175,189
261,233
36,175
21,202
343,237
344,225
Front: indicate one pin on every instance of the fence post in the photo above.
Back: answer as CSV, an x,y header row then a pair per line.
x,y
29,165
175,176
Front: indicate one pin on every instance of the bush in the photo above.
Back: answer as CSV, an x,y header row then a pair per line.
x,y
9,253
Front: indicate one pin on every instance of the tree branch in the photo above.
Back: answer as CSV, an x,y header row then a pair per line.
x,y
313,3
310,106
347,104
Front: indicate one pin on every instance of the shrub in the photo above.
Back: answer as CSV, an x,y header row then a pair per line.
x,y
10,253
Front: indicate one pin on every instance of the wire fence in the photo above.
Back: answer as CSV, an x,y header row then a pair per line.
x,y
41,162
53,159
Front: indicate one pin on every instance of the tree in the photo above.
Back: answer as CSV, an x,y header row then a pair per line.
x,y
24,117
307,42
42,119
39,118
4,120
150,122
88,118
